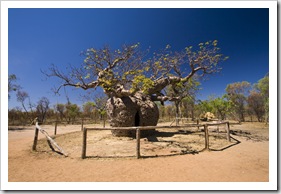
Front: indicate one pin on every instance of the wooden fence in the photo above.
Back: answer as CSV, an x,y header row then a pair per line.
x,y
59,122
140,128
50,140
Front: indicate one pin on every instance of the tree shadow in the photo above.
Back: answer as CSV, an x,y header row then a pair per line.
x,y
192,152
156,137
108,157
153,138
184,152
160,134
17,128
239,132
49,151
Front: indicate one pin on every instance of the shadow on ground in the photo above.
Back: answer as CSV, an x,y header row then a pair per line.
x,y
10,128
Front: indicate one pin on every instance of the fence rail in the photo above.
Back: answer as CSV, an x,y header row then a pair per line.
x,y
49,140
140,128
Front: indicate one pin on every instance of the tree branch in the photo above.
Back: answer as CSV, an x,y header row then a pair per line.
x,y
123,72
164,98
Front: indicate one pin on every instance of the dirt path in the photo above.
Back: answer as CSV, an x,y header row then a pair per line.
x,y
246,161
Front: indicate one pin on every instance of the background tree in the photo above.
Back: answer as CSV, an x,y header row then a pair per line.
x,y
71,112
170,112
11,84
237,93
15,116
88,109
221,106
22,96
60,108
162,109
250,112
97,102
128,75
256,103
180,91
100,105
51,115
188,106
42,108
263,87
204,106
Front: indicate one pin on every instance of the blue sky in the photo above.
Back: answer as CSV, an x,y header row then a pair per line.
x,y
41,37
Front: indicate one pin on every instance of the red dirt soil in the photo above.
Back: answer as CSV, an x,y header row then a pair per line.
x,y
247,161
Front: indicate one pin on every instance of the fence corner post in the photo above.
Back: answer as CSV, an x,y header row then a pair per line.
x,y
35,139
84,143
82,124
228,131
56,125
206,137
138,143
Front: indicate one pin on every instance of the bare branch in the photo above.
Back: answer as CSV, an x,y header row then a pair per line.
x,y
124,72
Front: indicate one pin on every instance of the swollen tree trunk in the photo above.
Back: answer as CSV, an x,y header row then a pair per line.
x,y
137,110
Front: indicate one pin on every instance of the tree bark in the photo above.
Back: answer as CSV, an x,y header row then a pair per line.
x,y
137,110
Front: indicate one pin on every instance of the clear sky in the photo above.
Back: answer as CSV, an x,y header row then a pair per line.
x,y
41,37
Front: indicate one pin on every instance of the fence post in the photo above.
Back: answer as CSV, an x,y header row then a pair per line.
x,y
138,143
197,122
82,124
206,137
56,124
84,143
35,139
228,131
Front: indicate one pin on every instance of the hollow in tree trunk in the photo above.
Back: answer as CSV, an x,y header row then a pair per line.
x,y
137,110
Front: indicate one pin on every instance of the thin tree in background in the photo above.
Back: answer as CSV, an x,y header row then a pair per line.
x,y
22,97
182,91
263,87
237,93
12,87
88,109
42,108
221,106
256,103
60,108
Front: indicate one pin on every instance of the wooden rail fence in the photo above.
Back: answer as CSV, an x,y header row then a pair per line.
x,y
49,139
140,128
58,122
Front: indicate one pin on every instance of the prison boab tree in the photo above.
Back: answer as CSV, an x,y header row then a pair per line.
x,y
133,80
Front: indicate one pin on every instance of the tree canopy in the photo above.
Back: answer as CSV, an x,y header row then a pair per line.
x,y
236,93
128,70
11,84
263,86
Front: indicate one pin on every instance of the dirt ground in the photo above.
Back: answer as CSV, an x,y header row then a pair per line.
x,y
170,156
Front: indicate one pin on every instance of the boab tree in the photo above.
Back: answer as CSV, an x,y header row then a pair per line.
x,y
133,81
